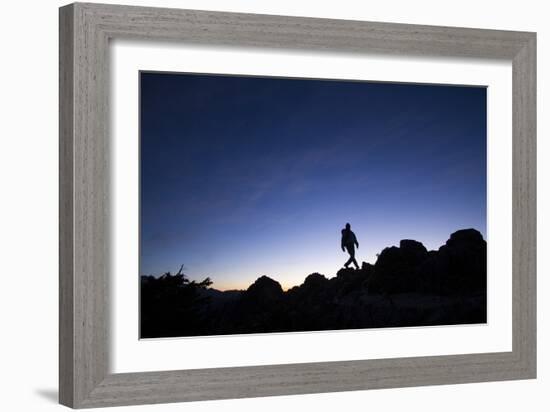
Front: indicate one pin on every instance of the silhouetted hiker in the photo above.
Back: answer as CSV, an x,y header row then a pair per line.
x,y
349,241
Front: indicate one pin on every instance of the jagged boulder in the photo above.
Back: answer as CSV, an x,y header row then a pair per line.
x,y
396,267
458,267
259,308
314,288
315,281
367,268
465,238
345,274
264,290
350,280
412,251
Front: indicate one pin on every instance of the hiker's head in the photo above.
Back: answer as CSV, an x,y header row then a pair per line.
x,y
348,226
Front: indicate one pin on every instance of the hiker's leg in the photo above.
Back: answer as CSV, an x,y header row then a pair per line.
x,y
350,260
351,251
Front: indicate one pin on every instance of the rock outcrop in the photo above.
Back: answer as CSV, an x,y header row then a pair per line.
x,y
407,286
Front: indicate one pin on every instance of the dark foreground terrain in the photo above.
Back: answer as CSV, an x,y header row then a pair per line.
x,y
407,286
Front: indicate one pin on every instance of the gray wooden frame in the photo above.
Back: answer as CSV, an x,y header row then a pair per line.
x,y
85,30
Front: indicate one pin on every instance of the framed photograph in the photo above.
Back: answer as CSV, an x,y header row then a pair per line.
x,y
256,205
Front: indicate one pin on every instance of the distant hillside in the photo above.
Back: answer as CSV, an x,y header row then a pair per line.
x,y
407,286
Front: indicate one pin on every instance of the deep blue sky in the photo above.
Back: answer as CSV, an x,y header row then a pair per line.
x,y
248,176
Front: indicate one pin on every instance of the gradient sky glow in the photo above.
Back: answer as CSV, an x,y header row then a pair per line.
x,y
248,176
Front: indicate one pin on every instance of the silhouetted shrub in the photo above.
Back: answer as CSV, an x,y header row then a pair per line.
x,y
172,305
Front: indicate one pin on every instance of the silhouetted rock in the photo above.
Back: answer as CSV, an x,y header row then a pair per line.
x,y
264,289
412,250
367,267
460,266
353,276
315,282
311,292
396,267
350,280
465,237
407,286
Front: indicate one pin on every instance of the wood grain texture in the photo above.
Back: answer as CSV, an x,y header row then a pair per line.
x,y
524,204
66,228
85,31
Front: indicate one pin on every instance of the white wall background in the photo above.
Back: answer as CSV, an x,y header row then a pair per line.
x,y
28,208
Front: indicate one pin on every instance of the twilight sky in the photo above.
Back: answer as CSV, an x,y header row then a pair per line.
x,y
244,176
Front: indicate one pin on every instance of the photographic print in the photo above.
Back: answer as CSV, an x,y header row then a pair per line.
x,y
278,205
